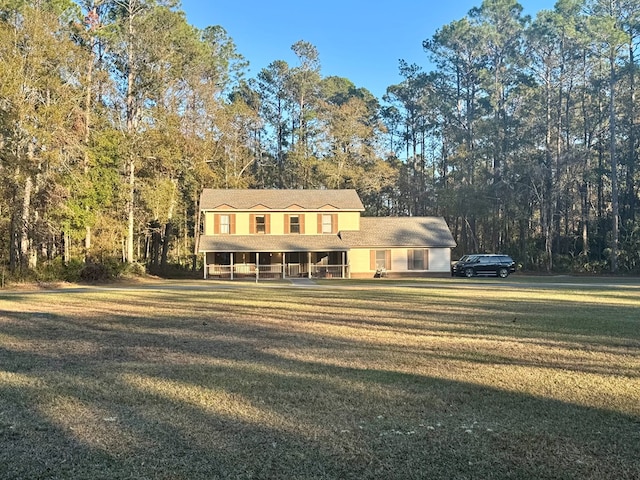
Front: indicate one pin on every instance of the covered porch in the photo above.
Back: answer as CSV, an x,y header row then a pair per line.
x,y
263,265
279,257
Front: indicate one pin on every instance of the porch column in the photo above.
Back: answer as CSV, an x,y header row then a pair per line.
x,y
309,264
344,259
231,265
257,272
206,265
284,265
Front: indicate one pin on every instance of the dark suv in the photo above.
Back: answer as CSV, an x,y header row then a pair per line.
x,y
483,264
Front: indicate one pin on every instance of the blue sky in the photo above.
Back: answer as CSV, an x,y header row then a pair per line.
x,y
360,40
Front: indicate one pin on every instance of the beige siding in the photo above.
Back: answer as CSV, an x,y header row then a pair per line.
x,y
360,260
277,223
309,223
349,221
439,259
243,223
399,260
345,221
208,223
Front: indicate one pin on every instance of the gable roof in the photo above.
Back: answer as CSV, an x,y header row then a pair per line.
x,y
400,232
280,199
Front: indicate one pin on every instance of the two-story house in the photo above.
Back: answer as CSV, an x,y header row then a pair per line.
x,y
314,233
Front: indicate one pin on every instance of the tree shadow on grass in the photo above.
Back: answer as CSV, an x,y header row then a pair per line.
x,y
303,421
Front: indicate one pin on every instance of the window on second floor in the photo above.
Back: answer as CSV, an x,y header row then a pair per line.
x,y
261,224
294,224
327,223
225,224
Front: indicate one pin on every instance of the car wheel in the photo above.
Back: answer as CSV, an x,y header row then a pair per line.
x,y
503,272
468,272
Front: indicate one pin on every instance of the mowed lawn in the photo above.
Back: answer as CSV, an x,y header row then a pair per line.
x,y
433,379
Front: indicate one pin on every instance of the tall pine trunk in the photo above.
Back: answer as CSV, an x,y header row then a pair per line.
x,y
168,228
25,244
131,118
633,154
615,231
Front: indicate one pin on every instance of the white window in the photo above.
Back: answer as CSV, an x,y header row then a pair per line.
x,y
327,223
225,224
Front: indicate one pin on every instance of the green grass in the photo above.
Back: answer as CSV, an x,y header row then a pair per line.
x,y
391,379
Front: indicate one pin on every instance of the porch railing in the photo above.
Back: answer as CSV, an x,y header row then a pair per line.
x,y
329,271
218,271
275,271
269,271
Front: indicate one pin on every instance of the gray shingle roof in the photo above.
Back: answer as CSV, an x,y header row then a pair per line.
x,y
374,232
271,243
280,199
400,232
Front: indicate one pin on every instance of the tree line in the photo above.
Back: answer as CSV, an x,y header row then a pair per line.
x,y
115,114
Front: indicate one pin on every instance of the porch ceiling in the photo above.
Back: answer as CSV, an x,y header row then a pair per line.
x,y
271,243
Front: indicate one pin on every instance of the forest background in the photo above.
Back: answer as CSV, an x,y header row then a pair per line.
x,y
115,114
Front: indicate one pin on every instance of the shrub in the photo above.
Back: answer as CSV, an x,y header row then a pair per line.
x,y
563,263
95,272
71,271
134,269
109,269
175,270
54,271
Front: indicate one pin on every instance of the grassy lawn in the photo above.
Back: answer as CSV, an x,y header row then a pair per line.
x,y
435,379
